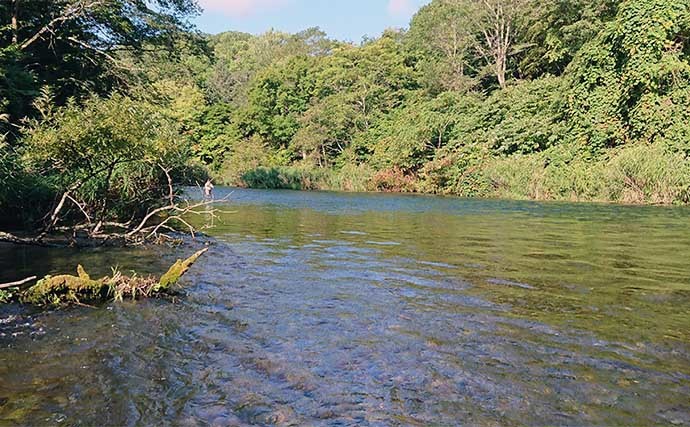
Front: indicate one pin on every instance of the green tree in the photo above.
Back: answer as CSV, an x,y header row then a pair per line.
x,y
326,129
554,31
241,57
76,46
443,38
277,99
467,38
410,137
362,85
631,81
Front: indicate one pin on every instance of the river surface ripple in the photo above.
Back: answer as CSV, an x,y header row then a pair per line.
x,y
378,310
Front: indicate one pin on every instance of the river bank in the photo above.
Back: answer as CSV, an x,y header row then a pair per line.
x,y
637,175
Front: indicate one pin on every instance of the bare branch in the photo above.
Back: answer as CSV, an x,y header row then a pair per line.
x,y
100,52
55,215
74,11
81,208
171,192
17,283
15,22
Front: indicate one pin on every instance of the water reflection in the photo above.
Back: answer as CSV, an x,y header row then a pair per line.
x,y
331,309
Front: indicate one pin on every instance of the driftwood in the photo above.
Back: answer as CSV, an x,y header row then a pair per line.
x,y
17,283
82,289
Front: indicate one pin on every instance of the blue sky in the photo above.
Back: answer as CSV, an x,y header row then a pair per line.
x,y
342,19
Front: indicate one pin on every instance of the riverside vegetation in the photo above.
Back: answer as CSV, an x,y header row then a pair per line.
x,y
107,106
574,100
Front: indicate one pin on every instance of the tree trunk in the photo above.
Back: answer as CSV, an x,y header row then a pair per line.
x,y
498,35
501,69
15,22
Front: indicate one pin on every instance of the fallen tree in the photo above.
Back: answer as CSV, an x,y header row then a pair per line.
x,y
152,226
82,289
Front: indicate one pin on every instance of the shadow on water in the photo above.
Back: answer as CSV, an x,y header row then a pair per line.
x,y
347,309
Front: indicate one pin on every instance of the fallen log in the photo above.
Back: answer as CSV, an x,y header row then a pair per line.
x,y
82,289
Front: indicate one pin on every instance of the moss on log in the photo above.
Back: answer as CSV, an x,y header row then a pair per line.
x,y
55,290
177,270
82,289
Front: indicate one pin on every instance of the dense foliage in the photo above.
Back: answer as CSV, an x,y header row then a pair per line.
x,y
78,122
575,99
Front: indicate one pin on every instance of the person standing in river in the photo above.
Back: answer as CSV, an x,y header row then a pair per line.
x,y
208,189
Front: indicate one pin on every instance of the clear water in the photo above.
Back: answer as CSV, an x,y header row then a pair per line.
x,y
367,309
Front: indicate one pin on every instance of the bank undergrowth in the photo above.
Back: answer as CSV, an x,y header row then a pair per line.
x,y
637,174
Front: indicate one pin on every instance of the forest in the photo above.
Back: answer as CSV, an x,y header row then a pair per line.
x,y
108,106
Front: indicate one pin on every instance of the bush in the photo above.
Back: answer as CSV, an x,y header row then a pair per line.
x,y
23,197
350,177
635,174
393,180
631,81
514,177
8,175
455,171
245,156
525,118
285,178
108,153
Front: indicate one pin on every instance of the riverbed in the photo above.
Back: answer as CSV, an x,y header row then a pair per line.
x,y
318,308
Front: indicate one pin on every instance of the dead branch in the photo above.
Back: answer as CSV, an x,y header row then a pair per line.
x,y
17,283
11,238
81,208
135,231
14,22
74,11
54,216
98,51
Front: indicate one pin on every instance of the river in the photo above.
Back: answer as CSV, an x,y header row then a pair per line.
x,y
317,308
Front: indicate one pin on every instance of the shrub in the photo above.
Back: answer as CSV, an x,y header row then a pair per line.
x,y
245,156
350,177
108,153
455,171
515,176
392,180
23,197
286,178
525,118
631,81
633,174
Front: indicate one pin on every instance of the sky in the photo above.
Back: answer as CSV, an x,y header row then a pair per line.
x,y
347,20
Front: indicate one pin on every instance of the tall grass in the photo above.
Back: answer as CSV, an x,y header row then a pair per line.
x,y
635,174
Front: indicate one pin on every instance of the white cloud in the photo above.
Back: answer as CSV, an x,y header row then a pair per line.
x,y
400,7
239,8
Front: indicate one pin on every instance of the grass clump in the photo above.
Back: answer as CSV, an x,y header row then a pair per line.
x,y
635,174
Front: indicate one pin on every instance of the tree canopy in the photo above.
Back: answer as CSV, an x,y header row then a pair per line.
x,y
571,99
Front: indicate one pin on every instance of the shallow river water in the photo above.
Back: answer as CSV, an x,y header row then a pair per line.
x,y
366,309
